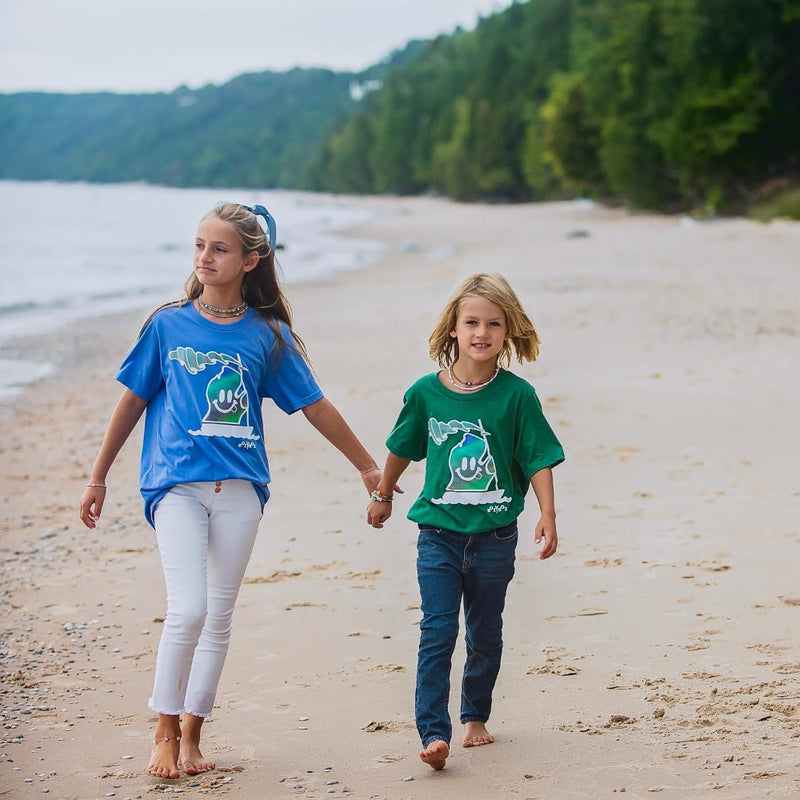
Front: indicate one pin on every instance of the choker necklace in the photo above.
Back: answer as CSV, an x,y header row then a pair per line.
x,y
235,311
469,386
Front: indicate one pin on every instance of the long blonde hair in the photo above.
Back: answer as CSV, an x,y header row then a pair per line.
x,y
495,288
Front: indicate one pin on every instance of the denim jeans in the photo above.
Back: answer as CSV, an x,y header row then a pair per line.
x,y
452,567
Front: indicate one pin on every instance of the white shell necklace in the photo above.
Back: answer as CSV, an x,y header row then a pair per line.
x,y
469,386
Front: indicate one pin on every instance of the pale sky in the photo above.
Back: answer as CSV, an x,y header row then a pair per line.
x,y
157,45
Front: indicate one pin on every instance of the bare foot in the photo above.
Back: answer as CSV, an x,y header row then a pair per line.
x,y
164,758
475,734
435,754
192,761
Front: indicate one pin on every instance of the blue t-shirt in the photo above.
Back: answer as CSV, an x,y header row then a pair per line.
x,y
203,383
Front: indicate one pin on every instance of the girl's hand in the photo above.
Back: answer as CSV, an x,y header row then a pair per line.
x,y
546,529
92,504
371,479
378,512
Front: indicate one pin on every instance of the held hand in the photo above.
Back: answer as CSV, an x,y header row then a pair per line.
x,y
546,529
372,479
92,504
378,513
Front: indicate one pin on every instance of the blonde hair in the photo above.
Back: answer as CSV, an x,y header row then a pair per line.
x,y
496,289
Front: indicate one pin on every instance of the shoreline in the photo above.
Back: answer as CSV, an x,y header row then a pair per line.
x,y
655,653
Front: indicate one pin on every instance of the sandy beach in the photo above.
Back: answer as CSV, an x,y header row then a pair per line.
x,y
655,655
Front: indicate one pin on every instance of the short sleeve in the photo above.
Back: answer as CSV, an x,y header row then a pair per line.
x,y
289,381
409,437
537,446
141,370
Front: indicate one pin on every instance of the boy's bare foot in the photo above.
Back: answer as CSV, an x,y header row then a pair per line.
x,y
164,758
192,761
475,734
435,754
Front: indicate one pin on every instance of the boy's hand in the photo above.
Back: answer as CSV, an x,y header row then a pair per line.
x,y
546,529
378,513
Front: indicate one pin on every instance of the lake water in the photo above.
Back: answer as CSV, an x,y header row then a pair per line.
x,y
75,250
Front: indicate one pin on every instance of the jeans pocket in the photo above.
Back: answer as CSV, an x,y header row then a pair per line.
x,y
506,534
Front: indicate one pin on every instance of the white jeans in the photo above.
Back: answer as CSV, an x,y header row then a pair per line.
x,y
205,534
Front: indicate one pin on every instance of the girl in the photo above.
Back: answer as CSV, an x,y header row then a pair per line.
x,y
200,369
486,440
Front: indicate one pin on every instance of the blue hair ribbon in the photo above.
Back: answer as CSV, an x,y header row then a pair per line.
x,y
260,211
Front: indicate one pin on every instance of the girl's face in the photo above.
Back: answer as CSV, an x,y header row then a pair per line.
x,y
218,257
481,329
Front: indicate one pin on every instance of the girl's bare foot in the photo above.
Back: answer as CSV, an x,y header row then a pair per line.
x,y
475,734
192,761
435,754
164,758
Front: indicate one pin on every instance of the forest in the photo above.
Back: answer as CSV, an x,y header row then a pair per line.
x,y
658,104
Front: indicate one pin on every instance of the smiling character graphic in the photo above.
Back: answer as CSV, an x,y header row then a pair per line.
x,y
228,404
227,397
472,466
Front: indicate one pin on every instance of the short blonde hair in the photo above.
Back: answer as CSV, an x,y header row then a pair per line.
x,y
496,289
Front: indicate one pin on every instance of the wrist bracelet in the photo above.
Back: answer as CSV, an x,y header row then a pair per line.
x,y
96,485
377,497
371,469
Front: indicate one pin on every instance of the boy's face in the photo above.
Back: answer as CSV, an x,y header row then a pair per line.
x,y
481,329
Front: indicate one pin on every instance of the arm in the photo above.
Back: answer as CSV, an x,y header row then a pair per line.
x,y
379,511
126,414
542,483
324,416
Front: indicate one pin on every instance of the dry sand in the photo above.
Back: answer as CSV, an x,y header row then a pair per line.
x,y
655,655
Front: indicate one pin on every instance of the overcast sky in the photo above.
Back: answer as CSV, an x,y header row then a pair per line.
x,y
158,45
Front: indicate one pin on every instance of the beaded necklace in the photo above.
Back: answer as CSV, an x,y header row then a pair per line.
x,y
469,386
235,311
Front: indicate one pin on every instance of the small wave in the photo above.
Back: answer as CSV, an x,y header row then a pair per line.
x,y
19,308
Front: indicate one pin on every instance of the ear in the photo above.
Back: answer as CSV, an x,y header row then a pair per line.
x,y
251,261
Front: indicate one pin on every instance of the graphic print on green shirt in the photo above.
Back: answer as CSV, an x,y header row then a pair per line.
x,y
473,474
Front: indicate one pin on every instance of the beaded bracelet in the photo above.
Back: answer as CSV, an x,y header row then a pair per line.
x,y
377,497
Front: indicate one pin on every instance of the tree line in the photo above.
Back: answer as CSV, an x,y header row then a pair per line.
x,y
657,103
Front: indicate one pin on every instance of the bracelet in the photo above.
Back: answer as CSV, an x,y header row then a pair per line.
x,y
371,469
377,497
96,485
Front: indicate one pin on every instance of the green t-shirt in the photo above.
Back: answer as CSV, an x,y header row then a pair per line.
x,y
482,450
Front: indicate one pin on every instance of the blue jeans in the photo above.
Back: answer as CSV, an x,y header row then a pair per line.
x,y
450,567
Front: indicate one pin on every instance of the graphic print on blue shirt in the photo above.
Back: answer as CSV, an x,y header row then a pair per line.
x,y
228,403
473,473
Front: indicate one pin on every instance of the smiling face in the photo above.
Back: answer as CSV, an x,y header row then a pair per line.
x,y
480,331
219,260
